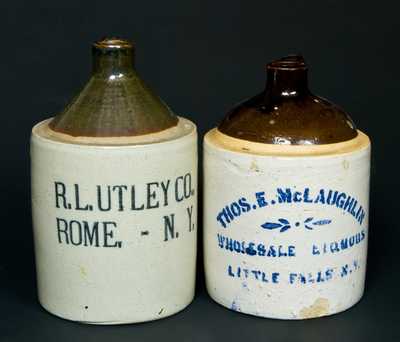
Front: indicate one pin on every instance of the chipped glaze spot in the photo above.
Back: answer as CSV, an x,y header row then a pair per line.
x,y
83,271
319,308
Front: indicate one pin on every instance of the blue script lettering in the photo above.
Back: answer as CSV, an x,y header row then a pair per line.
x,y
253,248
340,245
329,197
253,274
311,278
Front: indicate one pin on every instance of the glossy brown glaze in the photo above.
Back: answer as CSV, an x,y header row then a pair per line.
x,y
115,102
287,112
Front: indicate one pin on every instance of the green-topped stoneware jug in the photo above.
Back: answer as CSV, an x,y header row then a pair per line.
x,y
114,194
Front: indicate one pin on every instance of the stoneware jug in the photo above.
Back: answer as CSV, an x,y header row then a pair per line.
x,y
286,195
114,195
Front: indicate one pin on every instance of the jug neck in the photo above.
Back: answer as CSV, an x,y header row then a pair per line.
x,y
112,58
287,77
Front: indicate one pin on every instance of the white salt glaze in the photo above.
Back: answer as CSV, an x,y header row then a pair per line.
x,y
269,256
125,264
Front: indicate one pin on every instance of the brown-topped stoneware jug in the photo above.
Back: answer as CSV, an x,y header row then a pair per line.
x,y
286,191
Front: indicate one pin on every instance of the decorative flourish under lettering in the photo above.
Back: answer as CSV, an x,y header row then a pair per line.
x,y
284,225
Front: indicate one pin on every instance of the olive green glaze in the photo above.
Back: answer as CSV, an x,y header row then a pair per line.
x,y
287,113
115,102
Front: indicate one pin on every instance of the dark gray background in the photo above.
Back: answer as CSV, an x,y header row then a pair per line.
x,y
201,57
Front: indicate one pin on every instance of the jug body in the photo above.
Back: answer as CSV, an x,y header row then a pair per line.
x,y
285,235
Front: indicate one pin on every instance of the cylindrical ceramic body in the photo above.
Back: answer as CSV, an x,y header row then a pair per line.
x,y
115,224
285,227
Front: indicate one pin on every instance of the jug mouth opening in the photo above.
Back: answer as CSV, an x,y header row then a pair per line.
x,y
113,43
292,62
